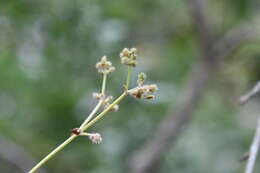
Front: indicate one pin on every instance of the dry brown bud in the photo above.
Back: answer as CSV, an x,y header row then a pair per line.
x,y
143,92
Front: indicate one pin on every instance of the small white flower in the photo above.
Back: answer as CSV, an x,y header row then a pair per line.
x,y
95,138
128,57
98,96
104,66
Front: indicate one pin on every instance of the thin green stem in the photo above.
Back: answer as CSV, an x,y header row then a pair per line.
x,y
71,138
94,111
104,84
98,117
129,70
51,154
87,123
91,114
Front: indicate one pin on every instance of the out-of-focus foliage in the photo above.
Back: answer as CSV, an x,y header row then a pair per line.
x,y
48,50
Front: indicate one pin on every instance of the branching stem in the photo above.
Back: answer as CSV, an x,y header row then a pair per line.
x,y
105,111
129,70
88,122
94,111
91,114
71,138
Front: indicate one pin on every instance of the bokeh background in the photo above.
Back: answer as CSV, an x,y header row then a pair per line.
x,y
48,51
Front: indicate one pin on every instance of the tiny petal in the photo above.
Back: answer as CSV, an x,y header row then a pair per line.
x,y
133,50
112,69
124,60
95,138
115,108
97,96
152,88
104,58
125,52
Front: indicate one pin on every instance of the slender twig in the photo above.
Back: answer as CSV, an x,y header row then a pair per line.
x,y
104,84
129,70
98,117
91,114
103,89
245,98
51,154
87,123
253,150
71,138
128,57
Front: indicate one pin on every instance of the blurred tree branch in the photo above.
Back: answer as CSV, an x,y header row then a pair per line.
x,y
245,98
253,150
247,31
15,155
150,156
252,155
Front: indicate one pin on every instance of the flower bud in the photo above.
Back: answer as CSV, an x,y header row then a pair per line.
x,y
141,79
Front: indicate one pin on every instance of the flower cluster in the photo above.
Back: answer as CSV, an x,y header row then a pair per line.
x,y
128,57
104,66
144,91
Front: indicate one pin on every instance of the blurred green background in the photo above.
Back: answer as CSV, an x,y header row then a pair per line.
x,y
48,52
